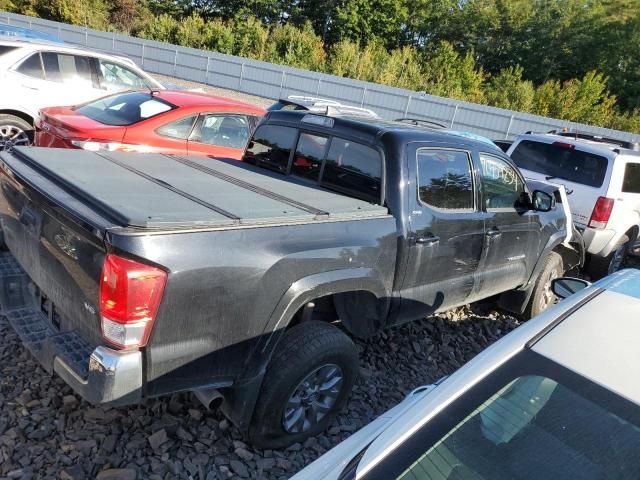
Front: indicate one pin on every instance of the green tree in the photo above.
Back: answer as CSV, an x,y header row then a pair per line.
x,y
508,90
250,39
296,47
89,13
367,21
162,28
447,74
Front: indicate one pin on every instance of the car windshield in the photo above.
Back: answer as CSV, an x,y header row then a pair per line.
x,y
546,422
125,109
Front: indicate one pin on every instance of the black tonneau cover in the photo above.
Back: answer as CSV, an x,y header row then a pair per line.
x,y
156,191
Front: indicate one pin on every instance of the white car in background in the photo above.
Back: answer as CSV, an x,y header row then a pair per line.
x,y
37,73
557,398
602,177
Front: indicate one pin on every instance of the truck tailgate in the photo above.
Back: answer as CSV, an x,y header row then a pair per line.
x,y
49,282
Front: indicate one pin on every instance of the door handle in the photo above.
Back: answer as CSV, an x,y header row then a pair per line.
x,y
494,233
430,240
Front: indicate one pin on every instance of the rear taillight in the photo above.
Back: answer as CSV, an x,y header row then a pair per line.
x,y
130,294
601,212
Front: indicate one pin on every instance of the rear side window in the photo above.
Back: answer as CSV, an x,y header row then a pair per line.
x,y
631,182
270,147
444,179
353,168
179,129
558,161
125,109
63,68
32,67
307,161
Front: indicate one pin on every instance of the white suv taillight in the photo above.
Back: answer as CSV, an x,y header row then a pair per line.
x,y
130,294
601,212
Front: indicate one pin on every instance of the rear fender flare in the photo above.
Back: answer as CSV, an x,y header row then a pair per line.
x,y
240,401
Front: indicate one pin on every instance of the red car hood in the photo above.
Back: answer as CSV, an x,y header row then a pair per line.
x,y
68,123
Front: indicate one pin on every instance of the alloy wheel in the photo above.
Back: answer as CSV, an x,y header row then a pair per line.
x,y
12,136
312,399
548,298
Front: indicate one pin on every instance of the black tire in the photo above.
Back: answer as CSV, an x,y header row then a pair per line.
x,y
14,131
542,296
600,267
306,348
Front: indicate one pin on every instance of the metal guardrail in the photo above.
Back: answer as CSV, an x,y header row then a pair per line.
x,y
276,81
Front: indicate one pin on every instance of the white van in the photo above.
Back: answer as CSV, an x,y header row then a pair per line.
x,y
602,178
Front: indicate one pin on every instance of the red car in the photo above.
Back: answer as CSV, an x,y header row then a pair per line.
x,y
178,122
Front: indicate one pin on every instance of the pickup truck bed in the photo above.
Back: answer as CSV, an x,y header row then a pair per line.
x,y
158,191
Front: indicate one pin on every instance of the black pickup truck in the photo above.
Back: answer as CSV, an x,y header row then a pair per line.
x,y
138,275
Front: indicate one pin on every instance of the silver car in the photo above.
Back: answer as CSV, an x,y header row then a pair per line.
x,y
558,398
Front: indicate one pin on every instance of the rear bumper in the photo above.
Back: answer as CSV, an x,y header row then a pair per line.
x,y
600,242
99,374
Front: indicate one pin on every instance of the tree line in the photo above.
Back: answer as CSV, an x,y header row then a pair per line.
x,y
576,60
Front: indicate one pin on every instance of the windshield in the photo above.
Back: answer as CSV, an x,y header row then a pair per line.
x,y
125,109
532,419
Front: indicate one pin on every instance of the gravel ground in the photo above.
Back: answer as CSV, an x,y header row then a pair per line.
x,y
48,432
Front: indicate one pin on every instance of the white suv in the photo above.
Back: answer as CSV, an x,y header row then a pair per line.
x,y
37,74
602,177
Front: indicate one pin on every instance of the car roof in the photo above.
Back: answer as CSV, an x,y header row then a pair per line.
x,y
184,98
602,146
600,340
12,32
371,129
37,44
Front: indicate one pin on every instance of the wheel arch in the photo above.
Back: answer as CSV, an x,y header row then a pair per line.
x,y
18,113
241,399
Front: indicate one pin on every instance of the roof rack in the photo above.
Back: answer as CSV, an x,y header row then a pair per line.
x,y
420,122
347,110
634,146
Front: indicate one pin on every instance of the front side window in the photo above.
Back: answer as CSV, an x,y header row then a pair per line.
x,y
179,129
115,77
307,160
631,181
270,147
125,109
502,187
230,131
32,67
445,180
561,160
69,69
353,168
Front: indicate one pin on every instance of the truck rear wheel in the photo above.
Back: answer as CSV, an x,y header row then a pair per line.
x,y
308,381
542,296
600,267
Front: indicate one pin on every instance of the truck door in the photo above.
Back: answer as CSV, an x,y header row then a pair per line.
x,y
513,230
446,231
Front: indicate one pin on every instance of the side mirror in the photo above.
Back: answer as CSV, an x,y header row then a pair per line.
x,y
542,201
566,286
